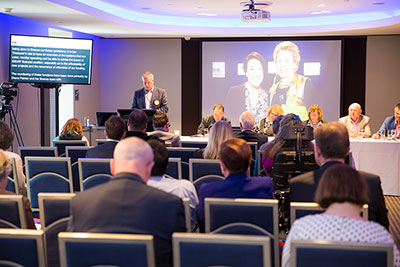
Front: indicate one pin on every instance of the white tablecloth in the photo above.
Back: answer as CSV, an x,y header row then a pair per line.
x,y
379,157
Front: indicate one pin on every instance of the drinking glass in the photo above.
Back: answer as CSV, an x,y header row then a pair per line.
x,y
86,121
382,134
361,133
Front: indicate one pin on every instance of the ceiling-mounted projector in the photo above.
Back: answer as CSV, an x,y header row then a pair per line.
x,y
253,14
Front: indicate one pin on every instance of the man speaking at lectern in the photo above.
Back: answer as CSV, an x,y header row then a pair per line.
x,y
150,97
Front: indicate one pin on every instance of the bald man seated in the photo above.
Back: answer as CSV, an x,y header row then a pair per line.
x,y
357,124
127,204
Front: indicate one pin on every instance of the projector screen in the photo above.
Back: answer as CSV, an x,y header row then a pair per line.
x,y
254,75
35,59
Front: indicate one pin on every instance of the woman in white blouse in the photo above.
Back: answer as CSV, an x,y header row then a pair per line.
x,y
341,192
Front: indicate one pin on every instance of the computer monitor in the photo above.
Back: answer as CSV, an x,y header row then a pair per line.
x,y
124,113
102,117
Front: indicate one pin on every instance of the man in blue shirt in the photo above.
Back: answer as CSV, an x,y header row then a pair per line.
x,y
390,123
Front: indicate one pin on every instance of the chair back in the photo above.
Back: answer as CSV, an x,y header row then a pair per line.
x,y
54,217
174,168
196,144
94,249
300,209
76,152
206,179
61,144
184,153
12,213
220,250
12,179
93,172
22,247
199,168
44,174
329,253
37,151
219,212
188,215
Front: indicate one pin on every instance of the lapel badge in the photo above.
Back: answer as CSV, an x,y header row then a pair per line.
x,y
156,102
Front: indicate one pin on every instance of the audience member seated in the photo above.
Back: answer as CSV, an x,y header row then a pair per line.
x,y
208,121
265,126
6,140
234,158
390,123
276,124
341,192
181,188
219,132
72,130
331,147
5,168
314,117
278,144
356,123
137,124
161,127
115,131
247,122
127,205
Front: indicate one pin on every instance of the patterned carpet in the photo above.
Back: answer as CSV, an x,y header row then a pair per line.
x,y
393,205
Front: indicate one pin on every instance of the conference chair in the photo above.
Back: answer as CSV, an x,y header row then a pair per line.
x,y
100,141
184,153
12,213
12,179
313,253
206,179
54,217
254,149
263,213
76,152
45,174
37,151
199,168
300,209
61,144
93,172
174,168
198,250
98,249
22,247
188,214
196,144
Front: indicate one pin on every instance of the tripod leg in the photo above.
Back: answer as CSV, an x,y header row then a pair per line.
x,y
14,125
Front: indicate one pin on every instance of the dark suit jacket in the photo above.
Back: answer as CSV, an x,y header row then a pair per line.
x,y
303,188
159,100
251,136
105,150
234,186
127,205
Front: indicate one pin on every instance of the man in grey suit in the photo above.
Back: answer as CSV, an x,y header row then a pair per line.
x,y
150,97
331,147
126,204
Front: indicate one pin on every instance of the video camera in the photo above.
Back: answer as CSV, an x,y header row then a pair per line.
x,y
7,93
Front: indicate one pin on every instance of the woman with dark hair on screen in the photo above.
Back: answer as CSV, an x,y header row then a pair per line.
x,y
314,117
72,130
279,143
291,87
342,192
234,157
249,96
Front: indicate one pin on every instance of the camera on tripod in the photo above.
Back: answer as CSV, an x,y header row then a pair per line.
x,y
7,93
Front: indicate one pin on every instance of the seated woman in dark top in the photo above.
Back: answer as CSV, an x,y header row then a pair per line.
x,y
72,130
314,117
234,157
273,147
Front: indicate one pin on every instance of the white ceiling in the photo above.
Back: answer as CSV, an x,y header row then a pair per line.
x,y
180,18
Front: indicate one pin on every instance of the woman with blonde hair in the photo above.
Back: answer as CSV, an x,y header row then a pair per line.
x,y
265,126
72,130
5,168
219,132
314,117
